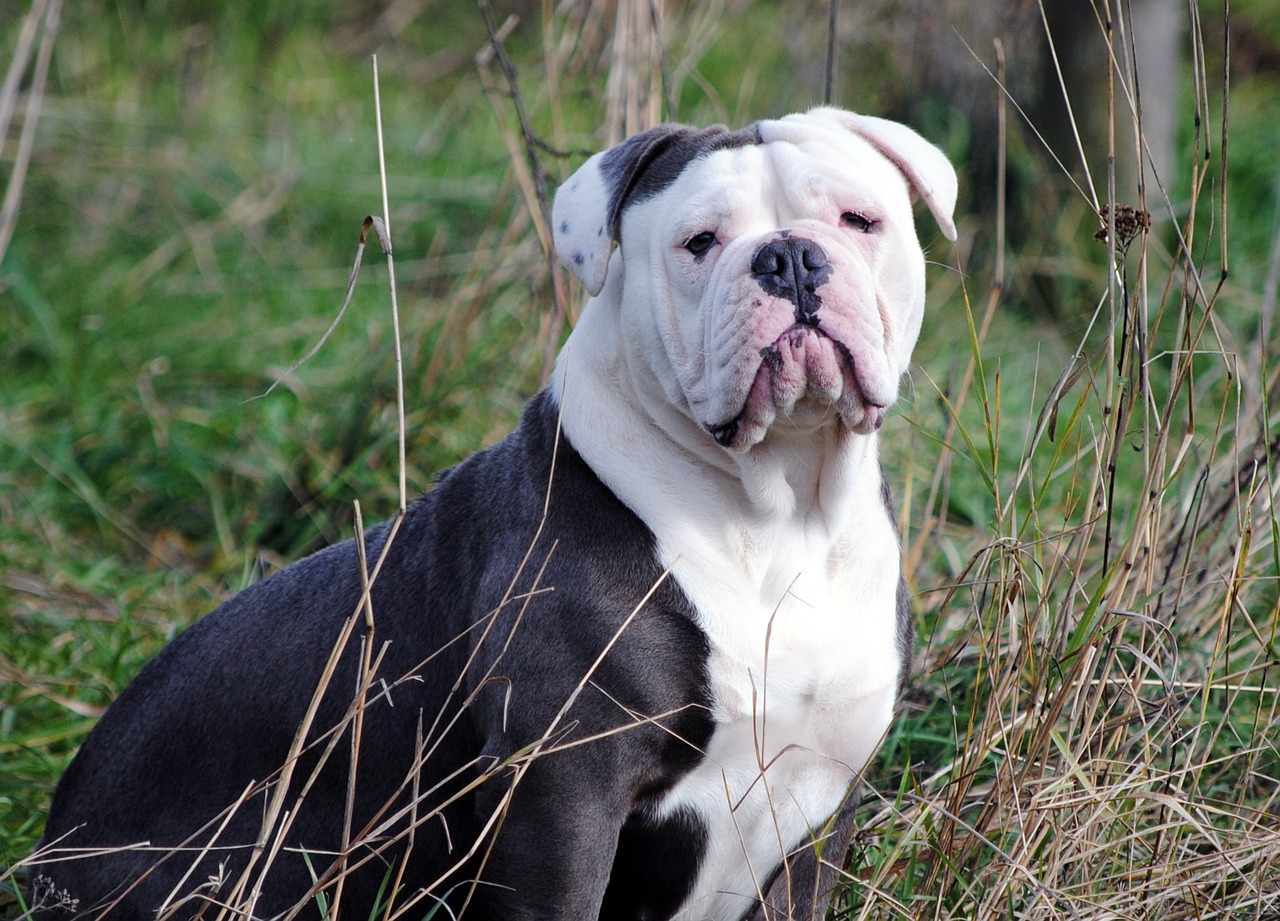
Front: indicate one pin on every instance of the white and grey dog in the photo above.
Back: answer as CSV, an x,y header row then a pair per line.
x,y
705,655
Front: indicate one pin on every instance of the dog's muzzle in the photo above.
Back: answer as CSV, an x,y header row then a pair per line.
x,y
806,361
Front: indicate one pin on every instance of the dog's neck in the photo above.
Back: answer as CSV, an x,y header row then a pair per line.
x,y
794,500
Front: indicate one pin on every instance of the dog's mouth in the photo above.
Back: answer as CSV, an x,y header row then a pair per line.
x,y
805,379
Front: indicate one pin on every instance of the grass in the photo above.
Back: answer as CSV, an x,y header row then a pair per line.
x,y
1086,495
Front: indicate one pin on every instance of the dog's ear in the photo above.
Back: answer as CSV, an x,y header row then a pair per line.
x,y
587,215
588,207
926,167
930,173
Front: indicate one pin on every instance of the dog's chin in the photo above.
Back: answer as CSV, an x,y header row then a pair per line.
x,y
812,416
805,384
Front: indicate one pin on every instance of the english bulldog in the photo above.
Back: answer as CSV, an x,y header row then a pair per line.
x,y
629,663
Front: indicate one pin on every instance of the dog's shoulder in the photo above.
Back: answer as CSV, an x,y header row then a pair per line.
x,y
568,571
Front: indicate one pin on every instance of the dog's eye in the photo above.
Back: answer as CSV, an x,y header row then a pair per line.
x,y
858,222
699,243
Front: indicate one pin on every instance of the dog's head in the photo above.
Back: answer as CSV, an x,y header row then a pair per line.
x,y
768,279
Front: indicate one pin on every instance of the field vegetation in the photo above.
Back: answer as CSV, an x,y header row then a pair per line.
x,y
1084,460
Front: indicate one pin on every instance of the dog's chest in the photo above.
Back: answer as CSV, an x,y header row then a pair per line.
x,y
803,672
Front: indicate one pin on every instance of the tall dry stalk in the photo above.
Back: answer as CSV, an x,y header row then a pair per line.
x,y
41,23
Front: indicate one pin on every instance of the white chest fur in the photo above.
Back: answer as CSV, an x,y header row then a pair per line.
x,y
803,671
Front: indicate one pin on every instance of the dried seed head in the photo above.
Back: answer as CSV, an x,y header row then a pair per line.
x,y
1129,223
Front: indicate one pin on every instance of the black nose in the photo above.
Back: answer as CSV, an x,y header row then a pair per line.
x,y
793,268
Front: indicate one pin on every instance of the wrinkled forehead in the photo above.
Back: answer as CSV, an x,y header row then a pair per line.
x,y
783,172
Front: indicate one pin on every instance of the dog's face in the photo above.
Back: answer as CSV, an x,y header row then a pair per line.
x,y
769,280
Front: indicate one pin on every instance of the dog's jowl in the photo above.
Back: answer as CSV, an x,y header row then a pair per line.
x,y
629,663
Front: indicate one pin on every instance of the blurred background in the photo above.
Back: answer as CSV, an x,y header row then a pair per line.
x,y
1083,457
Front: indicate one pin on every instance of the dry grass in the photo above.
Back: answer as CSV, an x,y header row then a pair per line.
x,y
1107,651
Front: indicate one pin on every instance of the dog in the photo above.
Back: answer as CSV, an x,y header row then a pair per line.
x,y
630,662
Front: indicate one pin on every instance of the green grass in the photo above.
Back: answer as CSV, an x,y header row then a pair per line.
x,y
1093,720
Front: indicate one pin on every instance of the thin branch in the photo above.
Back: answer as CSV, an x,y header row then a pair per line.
x,y
391,273
26,143
833,28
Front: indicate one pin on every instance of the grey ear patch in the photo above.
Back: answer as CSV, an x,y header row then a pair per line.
x,y
602,188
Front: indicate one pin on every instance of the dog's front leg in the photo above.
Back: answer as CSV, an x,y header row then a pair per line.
x,y
803,886
554,841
